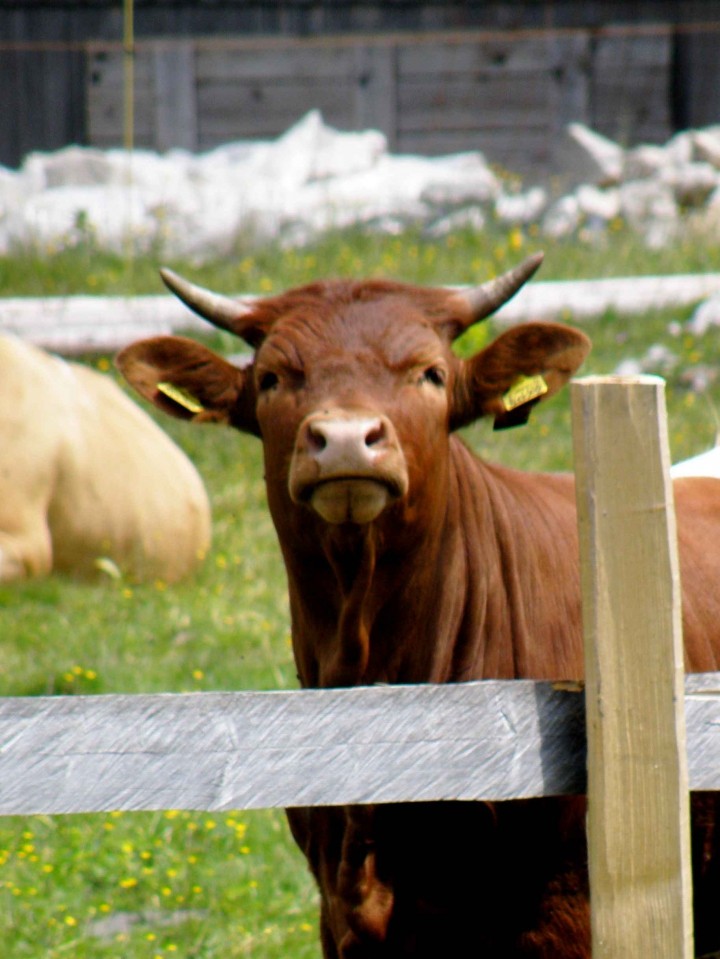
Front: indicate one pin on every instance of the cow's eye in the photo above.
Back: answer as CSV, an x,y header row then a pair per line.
x,y
268,381
434,375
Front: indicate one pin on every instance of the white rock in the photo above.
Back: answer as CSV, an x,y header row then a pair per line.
x,y
594,202
11,191
650,208
71,166
658,359
712,207
705,221
68,215
691,183
707,146
310,151
604,155
472,217
563,217
628,368
10,207
313,178
207,221
706,316
643,161
699,377
521,208
156,175
680,148
457,180
391,189
33,173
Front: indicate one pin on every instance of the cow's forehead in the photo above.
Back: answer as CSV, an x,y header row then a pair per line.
x,y
390,326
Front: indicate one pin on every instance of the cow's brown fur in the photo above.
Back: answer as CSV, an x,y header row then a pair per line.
x,y
473,573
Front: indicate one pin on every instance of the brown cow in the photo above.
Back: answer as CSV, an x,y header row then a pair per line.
x,y
410,560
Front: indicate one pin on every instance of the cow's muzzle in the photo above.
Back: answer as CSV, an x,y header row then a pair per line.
x,y
347,465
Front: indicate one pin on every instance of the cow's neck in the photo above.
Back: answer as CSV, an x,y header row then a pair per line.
x,y
452,605
355,576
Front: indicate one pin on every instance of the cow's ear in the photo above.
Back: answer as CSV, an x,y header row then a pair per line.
x,y
523,366
189,381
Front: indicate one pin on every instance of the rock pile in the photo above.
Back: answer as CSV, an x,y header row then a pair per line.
x,y
315,178
655,189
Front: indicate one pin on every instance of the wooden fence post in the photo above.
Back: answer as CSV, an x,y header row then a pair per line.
x,y
638,802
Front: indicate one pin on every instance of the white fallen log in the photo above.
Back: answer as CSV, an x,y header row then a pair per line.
x,y
77,324
583,299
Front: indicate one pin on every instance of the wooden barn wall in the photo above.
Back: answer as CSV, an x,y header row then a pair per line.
x,y
429,93
53,76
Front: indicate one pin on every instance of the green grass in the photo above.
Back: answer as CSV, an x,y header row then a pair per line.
x,y
161,884
191,884
463,257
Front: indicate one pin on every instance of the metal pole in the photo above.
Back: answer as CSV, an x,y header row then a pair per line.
x,y
128,73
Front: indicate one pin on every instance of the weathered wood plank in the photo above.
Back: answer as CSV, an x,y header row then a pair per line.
x,y
106,66
376,90
638,811
237,111
442,102
611,92
618,52
630,97
702,721
218,751
270,65
619,84
176,120
275,98
105,99
498,54
215,751
568,86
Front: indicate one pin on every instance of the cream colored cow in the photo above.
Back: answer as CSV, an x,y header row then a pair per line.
x,y
87,480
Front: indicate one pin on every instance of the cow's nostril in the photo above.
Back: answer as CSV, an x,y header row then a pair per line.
x,y
316,440
375,435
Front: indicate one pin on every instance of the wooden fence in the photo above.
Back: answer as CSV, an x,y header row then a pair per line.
x,y
486,740
436,77
508,93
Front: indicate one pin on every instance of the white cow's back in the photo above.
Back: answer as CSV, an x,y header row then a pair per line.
x,y
704,464
85,474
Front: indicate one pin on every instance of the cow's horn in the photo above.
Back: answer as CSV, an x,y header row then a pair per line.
x,y
484,300
221,311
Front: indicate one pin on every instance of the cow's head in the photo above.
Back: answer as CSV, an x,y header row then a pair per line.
x,y
354,386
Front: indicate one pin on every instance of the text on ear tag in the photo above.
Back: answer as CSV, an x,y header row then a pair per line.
x,y
523,390
181,396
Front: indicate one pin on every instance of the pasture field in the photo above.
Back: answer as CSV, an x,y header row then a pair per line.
x,y
177,884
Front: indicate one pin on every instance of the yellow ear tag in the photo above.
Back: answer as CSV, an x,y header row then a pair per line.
x,y
523,390
181,397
